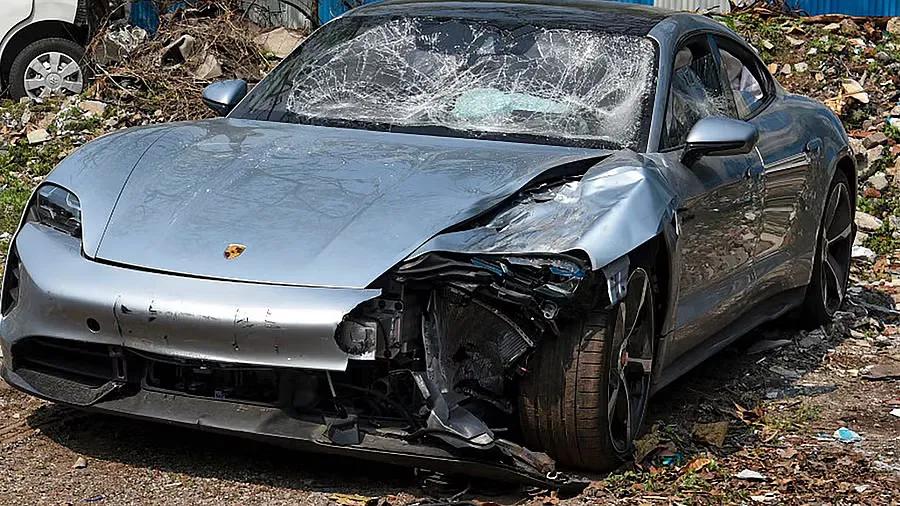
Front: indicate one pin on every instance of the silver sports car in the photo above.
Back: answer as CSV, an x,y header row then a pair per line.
x,y
466,236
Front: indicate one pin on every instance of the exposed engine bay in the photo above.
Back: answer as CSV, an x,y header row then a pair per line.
x,y
437,358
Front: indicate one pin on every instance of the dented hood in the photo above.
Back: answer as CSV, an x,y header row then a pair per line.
x,y
313,206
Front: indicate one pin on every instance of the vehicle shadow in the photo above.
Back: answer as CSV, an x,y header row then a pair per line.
x,y
708,392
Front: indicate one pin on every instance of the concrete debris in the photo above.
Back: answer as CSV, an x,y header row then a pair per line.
x,y
92,107
867,222
876,139
210,69
38,136
862,253
854,90
80,463
878,181
280,41
748,474
179,51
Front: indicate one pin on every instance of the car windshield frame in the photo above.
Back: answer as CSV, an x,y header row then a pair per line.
x,y
269,100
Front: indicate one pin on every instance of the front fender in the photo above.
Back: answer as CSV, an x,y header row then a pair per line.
x,y
615,207
97,172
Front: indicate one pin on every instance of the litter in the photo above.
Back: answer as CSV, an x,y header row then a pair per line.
x,y
846,435
748,474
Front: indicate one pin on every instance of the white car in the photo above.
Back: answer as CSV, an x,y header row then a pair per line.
x,y
42,46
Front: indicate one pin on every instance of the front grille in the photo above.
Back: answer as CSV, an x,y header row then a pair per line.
x,y
241,384
10,285
90,364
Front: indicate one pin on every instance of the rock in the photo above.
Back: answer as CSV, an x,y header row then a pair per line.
x,y
747,474
93,107
787,373
860,238
787,69
795,42
878,181
209,69
80,463
894,222
894,171
773,68
872,156
38,136
711,433
854,90
831,27
876,139
883,371
867,222
801,67
820,77
766,345
849,27
893,26
862,253
768,44
813,338
280,41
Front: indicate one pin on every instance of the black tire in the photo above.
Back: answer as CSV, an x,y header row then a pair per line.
x,y
826,291
564,401
16,77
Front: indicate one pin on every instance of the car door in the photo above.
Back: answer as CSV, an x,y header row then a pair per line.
x,y
786,155
718,219
13,12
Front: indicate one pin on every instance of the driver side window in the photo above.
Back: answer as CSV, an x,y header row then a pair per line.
x,y
697,91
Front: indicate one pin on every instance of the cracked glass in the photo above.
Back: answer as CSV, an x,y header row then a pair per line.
x,y
466,77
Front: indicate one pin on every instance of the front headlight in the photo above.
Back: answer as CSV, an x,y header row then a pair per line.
x,y
58,208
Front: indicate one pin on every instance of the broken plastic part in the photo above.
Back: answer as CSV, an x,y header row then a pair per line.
x,y
478,76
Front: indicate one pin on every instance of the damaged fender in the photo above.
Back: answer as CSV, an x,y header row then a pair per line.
x,y
615,207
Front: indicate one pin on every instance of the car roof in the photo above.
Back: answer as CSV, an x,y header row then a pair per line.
x,y
611,17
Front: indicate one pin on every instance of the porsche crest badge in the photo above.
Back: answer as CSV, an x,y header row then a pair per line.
x,y
233,251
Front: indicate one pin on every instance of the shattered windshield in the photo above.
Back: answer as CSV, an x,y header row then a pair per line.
x,y
465,76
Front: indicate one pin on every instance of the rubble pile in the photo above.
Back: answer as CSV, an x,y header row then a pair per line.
x,y
163,76
853,66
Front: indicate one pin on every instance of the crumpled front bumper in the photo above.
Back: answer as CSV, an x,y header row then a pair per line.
x,y
274,426
64,296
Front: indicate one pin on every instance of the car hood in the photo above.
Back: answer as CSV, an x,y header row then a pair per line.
x,y
313,206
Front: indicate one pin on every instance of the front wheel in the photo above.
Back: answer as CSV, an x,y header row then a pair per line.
x,y
585,397
831,267
48,67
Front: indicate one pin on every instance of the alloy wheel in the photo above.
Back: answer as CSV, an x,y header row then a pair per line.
x,y
837,232
53,73
632,362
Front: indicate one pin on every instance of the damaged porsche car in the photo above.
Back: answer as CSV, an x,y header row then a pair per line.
x,y
473,237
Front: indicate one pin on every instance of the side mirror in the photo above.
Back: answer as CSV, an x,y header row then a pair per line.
x,y
717,136
222,96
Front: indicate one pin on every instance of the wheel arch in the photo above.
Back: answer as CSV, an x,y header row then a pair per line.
x,y
32,32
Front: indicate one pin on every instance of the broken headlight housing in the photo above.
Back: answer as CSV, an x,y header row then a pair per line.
x,y
57,208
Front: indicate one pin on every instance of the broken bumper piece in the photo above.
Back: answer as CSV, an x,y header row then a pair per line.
x,y
343,436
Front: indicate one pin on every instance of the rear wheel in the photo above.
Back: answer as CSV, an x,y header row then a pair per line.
x,y
586,395
831,268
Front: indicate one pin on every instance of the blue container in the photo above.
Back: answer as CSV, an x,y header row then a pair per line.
x,y
330,9
851,7
145,14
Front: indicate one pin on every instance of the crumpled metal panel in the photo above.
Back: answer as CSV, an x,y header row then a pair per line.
x,y
618,205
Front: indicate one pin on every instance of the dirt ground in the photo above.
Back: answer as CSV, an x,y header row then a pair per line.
x,y
781,406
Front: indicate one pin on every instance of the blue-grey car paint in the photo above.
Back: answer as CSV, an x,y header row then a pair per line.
x,y
800,146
